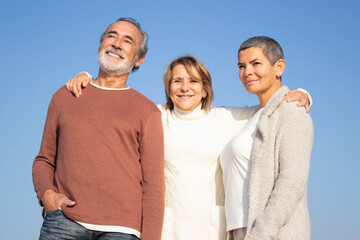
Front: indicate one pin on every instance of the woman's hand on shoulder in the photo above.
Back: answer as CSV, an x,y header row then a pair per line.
x,y
75,84
301,97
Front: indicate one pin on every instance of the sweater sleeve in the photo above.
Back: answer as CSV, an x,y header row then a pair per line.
x,y
308,94
243,113
152,164
291,184
44,164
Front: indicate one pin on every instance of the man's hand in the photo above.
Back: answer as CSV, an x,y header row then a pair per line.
x,y
296,95
75,84
52,200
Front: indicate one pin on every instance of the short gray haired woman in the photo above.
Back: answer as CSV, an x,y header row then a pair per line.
x,y
266,165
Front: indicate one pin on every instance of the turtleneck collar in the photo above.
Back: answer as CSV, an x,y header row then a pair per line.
x,y
188,115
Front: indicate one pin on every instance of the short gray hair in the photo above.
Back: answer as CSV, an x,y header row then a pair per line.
x,y
271,48
143,46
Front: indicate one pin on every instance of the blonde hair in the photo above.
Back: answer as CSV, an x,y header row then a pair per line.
x,y
190,63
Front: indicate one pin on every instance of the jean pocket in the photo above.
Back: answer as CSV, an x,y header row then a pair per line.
x,y
53,212
128,237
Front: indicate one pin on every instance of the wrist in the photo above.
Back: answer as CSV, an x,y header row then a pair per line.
x,y
46,195
88,74
310,101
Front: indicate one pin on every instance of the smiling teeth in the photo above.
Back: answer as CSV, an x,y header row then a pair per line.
x,y
114,55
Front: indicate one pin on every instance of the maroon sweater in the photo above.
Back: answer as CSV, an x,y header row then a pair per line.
x,y
104,150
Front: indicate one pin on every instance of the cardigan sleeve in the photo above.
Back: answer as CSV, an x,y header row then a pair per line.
x,y
153,184
290,186
43,170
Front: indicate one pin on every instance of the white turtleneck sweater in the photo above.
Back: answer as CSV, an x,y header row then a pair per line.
x,y
194,198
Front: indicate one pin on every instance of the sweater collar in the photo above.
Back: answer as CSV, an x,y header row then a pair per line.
x,y
188,115
275,100
106,88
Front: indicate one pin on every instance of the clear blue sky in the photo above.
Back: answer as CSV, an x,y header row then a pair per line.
x,y
44,43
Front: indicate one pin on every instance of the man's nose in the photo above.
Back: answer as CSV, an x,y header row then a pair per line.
x,y
117,43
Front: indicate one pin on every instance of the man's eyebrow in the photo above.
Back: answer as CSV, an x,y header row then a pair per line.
x,y
112,32
126,36
130,38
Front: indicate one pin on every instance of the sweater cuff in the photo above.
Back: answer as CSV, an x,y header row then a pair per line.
x,y
308,94
89,75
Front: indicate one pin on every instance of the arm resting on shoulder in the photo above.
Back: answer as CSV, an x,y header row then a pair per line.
x,y
75,84
300,95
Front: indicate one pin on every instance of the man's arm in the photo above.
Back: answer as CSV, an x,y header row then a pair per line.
x,y
153,184
52,200
44,165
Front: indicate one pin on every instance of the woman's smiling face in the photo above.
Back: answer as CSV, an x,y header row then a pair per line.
x,y
185,92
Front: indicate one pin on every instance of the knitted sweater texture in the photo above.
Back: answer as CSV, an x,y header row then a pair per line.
x,y
194,199
280,162
104,150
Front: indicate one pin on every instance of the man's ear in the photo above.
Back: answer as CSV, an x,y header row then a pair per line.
x,y
139,61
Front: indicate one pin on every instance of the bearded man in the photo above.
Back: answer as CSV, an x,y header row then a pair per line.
x,y
99,173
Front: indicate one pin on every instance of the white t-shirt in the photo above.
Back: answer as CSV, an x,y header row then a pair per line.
x,y
235,163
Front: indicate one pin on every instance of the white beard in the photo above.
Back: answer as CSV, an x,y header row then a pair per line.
x,y
114,68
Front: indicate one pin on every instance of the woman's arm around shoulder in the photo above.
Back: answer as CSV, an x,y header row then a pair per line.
x,y
236,113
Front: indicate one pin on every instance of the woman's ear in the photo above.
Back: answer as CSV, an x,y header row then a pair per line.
x,y
204,93
280,67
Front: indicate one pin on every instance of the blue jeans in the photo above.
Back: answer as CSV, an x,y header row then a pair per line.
x,y
57,226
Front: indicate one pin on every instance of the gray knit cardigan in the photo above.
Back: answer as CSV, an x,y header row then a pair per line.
x,y
280,161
